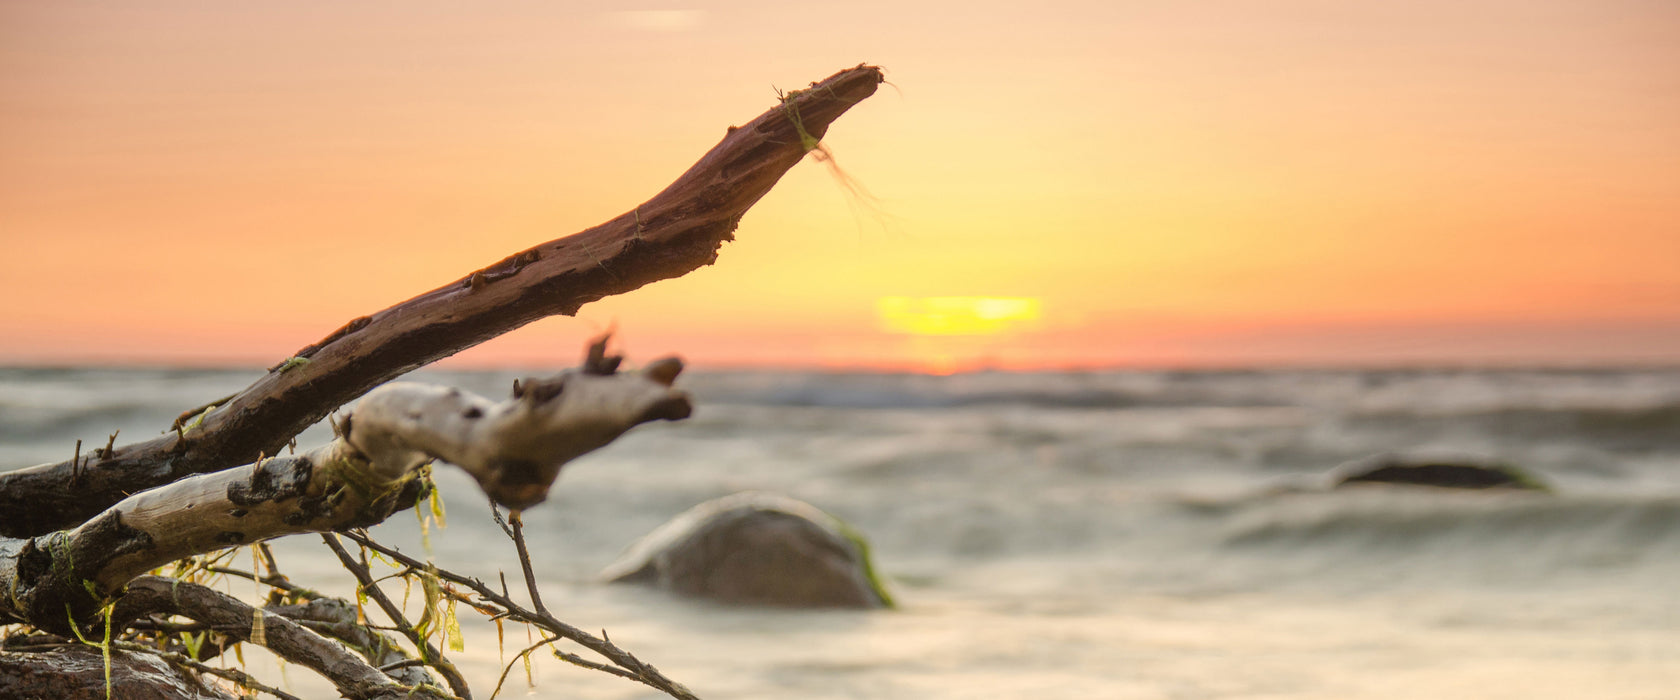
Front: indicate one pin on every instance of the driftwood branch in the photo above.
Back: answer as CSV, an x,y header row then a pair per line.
x,y
240,678
350,674
327,616
675,232
632,668
514,448
336,619
430,654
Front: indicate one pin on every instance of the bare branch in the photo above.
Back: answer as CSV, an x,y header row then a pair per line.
x,y
678,230
430,654
352,676
245,680
516,658
518,534
514,448
638,670
336,618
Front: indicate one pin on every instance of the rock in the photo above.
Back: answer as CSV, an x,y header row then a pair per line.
x,y
1444,473
756,549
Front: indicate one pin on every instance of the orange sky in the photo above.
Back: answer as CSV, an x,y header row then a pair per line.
x,y
1161,183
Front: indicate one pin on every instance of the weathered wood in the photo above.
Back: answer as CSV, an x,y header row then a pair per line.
x,y
77,672
350,674
514,448
336,619
678,230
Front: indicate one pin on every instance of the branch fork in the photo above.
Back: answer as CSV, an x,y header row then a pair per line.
x,y
513,448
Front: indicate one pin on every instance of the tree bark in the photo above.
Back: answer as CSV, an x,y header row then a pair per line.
x,y
351,675
675,232
336,619
514,449
77,672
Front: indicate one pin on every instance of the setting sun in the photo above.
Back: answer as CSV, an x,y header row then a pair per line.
x,y
1087,184
955,315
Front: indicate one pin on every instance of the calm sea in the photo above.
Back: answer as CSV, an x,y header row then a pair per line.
x,y
1125,534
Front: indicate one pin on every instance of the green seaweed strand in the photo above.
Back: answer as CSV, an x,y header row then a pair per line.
x,y
806,140
104,645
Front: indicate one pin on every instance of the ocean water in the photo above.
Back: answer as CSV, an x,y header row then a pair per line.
x,y
1112,534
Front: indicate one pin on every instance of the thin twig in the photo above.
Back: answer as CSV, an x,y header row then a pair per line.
x,y
432,655
516,657
639,670
244,680
495,511
576,660
268,561
276,580
518,523
405,663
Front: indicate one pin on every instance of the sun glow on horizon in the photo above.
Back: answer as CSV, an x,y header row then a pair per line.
x,y
1084,184
957,315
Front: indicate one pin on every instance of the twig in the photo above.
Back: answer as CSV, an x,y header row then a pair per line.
x,y
518,523
639,670
275,581
495,511
431,654
576,660
516,657
352,676
337,619
268,560
244,680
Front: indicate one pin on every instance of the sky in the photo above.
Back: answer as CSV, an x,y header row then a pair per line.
x,y
1046,185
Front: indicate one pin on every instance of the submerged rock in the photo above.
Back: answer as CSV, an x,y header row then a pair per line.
x,y
1444,473
756,549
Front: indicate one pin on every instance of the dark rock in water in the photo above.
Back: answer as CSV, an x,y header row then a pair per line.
x,y
78,673
756,549
1444,473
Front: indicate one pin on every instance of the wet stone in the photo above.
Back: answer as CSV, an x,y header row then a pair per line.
x,y
756,549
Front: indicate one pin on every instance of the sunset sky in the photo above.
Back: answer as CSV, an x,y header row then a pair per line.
x,y
1049,184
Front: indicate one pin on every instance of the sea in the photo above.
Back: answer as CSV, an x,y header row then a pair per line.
x,y
1074,534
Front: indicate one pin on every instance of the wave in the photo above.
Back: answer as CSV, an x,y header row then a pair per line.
x,y
1623,428
1072,390
1487,531
1370,391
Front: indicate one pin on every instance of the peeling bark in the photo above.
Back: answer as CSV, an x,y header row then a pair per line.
x,y
513,448
675,232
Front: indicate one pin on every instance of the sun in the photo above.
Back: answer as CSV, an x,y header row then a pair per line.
x,y
956,315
